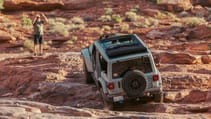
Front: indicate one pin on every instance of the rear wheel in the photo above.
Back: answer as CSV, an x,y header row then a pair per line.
x,y
88,76
158,97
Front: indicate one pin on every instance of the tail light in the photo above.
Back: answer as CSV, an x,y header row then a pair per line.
x,y
110,86
155,77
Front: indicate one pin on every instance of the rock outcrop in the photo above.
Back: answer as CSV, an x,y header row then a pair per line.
x,y
175,58
5,37
175,5
41,5
200,32
79,4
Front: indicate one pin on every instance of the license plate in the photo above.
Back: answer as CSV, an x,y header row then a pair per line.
x,y
118,98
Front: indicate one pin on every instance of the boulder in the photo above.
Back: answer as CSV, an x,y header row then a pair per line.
x,y
201,2
176,58
41,5
4,36
155,34
175,5
206,59
195,96
208,98
150,12
79,4
200,11
199,32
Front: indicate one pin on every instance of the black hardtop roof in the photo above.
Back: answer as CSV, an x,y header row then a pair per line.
x,y
120,45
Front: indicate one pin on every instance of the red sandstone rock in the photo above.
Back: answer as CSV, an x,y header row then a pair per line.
x,y
12,5
176,5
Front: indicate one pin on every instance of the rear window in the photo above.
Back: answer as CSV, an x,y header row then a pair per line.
x,y
120,68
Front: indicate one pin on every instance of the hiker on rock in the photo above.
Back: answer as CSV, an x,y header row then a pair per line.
x,y
38,23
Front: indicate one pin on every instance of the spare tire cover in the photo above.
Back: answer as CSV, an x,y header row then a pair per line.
x,y
134,83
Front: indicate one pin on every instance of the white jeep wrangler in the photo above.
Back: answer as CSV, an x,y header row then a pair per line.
x,y
123,69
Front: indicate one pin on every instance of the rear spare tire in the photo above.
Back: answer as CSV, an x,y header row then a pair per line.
x,y
134,83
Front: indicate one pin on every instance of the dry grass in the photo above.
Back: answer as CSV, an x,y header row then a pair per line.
x,y
193,21
131,16
28,44
124,27
108,11
63,27
77,20
105,18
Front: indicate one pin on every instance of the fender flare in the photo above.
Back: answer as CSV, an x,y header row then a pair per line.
x,y
87,59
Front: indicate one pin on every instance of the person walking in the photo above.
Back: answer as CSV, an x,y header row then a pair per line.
x,y
38,24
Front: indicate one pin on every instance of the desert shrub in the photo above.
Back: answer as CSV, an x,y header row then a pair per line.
x,y
151,22
183,14
193,21
1,4
106,28
74,27
72,40
124,27
105,18
176,24
147,22
26,21
167,15
135,9
77,20
28,44
116,18
160,15
131,16
108,11
60,19
60,28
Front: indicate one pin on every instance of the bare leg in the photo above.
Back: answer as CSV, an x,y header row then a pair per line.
x,y
35,49
41,49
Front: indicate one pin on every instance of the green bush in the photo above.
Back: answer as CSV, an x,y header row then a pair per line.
x,y
131,16
108,11
77,20
116,18
1,4
26,21
193,21
105,18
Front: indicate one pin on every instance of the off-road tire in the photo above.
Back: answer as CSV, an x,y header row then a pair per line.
x,y
158,97
107,105
88,76
134,83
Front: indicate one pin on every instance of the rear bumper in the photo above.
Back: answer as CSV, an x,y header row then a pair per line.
x,y
156,90
146,93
